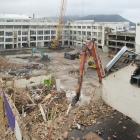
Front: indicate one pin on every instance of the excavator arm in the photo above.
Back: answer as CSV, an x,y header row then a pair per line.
x,y
88,51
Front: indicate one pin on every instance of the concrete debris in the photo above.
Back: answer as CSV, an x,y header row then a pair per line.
x,y
42,112
138,136
44,107
92,136
42,104
65,135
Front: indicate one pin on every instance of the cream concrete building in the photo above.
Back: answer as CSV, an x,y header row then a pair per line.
x,y
138,38
22,32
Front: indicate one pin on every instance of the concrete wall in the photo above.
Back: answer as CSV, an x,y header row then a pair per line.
x,y
138,38
121,95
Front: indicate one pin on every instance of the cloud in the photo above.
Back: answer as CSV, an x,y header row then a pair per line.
x,y
126,8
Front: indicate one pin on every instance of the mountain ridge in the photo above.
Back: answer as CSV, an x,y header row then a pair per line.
x,y
97,18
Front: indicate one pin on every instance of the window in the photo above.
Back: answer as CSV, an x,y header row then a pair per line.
x,y
53,32
1,46
47,32
17,27
83,33
99,41
19,32
100,27
83,27
8,46
25,27
9,26
1,26
52,37
79,27
94,27
67,27
19,39
89,33
79,32
1,39
47,38
24,33
33,38
24,38
40,32
94,33
100,34
32,32
8,39
1,33
40,37
88,27
9,33
33,27
70,37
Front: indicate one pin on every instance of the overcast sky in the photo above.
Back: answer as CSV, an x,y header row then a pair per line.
x,y
127,8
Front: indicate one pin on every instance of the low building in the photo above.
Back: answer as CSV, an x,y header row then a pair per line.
x,y
83,30
22,32
115,41
16,33
138,38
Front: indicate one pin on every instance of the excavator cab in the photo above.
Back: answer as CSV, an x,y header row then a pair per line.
x,y
91,63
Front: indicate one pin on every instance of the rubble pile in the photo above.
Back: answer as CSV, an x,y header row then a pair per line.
x,y
88,115
39,107
5,64
43,111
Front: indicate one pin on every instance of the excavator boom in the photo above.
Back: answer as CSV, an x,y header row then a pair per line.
x,y
88,50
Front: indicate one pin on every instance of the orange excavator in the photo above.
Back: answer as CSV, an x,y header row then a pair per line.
x,y
88,51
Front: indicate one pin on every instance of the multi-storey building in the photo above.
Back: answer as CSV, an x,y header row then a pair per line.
x,y
115,41
19,33
138,38
27,32
81,31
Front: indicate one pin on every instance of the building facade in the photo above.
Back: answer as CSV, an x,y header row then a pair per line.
x,y
28,33
81,31
115,41
138,38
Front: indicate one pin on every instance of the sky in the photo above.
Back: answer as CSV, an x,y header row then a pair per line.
x,y
129,9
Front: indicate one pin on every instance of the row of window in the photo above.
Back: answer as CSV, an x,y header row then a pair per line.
x,y
34,38
86,27
46,26
86,33
40,32
26,26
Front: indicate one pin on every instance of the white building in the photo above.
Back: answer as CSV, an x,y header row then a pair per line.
x,y
115,41
81,31
20,31
138,38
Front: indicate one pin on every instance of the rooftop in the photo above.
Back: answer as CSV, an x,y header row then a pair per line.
x,y
13,16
